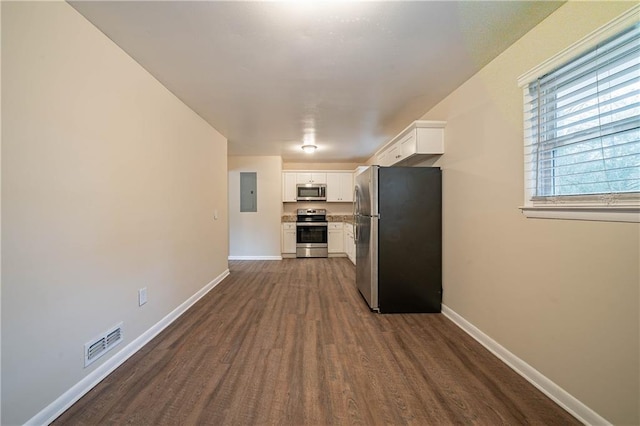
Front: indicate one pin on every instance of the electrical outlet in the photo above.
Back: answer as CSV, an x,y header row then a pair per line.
x,y
142,296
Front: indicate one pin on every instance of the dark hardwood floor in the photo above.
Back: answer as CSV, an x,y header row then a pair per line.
x,y
292,343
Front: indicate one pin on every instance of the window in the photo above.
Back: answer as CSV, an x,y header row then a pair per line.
x,y
582,131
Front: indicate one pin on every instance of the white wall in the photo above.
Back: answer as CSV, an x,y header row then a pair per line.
x,y
256,235
561,295
109,184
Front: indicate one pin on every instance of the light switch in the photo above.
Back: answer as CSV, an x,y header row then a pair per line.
x,y
142,296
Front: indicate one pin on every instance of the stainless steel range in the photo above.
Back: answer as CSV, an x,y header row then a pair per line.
x,y
311,233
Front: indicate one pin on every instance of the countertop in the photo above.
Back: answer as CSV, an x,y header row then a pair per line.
x,y
330,218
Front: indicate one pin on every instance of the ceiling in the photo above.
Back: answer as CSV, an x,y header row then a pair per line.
x,y
347,75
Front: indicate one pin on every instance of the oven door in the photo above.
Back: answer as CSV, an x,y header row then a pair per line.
x,y
311,239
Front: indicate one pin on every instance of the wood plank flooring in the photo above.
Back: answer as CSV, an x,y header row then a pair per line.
x,y
292,343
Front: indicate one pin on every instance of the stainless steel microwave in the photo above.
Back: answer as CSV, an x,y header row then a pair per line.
x,y
311,192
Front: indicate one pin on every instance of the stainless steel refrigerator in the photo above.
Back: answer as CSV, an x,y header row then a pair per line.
x,y
398,233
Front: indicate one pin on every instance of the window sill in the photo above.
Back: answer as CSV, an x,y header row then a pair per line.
x,y
601,214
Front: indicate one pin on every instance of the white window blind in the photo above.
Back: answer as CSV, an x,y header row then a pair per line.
x,y
582,125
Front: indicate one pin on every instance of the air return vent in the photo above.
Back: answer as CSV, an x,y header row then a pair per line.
x,y
102,344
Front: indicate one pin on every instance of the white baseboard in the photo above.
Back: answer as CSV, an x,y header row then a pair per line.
x,y
561,397
67,399
255,257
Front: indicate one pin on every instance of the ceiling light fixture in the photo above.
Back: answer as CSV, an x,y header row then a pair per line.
x,y
309,149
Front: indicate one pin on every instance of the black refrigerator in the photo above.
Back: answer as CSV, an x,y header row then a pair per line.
x,y
398,235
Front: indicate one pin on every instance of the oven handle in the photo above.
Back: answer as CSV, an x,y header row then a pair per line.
x,y
312,223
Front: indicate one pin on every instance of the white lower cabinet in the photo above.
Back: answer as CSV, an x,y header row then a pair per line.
x,y
289,238
349,242
335,237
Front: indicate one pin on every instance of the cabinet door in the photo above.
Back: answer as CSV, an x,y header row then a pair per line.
x,y
340,187
347,187
382,159
288,238
311,177
349,243
334,187
303,178
288,187
387,158
392,155
334,244
319,177
352,249
348,240
408,145
335,238
430,141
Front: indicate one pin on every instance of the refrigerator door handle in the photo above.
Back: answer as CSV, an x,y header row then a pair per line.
x,y
355,231
356,213
356,201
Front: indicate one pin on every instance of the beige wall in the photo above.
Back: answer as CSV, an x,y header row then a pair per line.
x,y
0,217
561,295
256,235
109,184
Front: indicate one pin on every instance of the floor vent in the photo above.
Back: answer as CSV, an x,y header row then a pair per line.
x,y
102,344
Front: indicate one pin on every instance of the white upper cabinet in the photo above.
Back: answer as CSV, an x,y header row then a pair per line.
x,y
390,156
291,179
339,184
340,187
311,177
289,187
421,138
347,187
